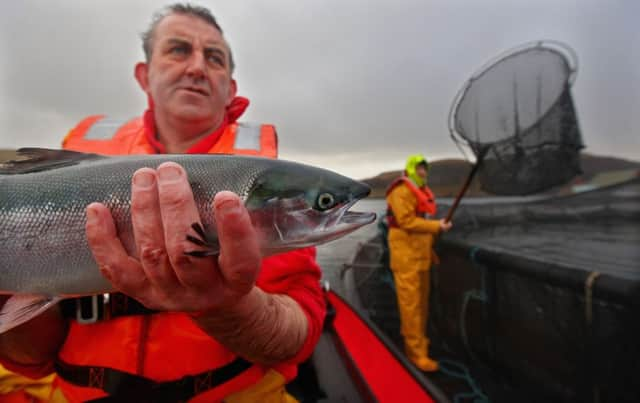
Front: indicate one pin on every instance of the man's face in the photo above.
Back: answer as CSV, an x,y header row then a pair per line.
x,y
189,74
421,170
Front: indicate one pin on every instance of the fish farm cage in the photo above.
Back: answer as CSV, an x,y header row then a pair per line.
x,y
539,297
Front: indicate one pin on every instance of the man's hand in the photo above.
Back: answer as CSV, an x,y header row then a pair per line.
x,y
445,225
162,276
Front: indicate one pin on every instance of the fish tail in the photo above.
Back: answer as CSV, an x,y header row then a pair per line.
x,y
21,308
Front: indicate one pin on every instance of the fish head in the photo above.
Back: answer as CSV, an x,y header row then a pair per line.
x,y
294,206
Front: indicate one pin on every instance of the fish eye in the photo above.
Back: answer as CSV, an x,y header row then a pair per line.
x,y
325,201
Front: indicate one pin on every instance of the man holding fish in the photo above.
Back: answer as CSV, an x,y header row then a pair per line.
x,y
206,315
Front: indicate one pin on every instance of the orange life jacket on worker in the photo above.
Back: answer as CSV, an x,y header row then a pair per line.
x,y
132,350
426,206
103,135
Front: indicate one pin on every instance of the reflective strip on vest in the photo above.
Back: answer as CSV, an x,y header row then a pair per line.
x,y
104,129
248,136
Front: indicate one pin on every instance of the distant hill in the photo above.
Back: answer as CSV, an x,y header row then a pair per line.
x,y
447,176
594,164
7,155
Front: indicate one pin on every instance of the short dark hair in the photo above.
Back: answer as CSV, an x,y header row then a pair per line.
x,y
183,9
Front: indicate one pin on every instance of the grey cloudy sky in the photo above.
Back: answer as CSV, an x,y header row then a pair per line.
x,y
353,86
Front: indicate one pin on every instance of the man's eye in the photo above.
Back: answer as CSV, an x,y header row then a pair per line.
x,y
179,50
216,59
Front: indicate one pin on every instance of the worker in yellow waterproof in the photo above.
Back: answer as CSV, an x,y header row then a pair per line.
x,y
410,208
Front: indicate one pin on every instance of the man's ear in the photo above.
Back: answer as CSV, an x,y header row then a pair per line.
x,y
233,90
141,73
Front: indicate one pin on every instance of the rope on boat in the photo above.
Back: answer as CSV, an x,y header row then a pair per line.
x,y
460,371
479,295
588,313
476,396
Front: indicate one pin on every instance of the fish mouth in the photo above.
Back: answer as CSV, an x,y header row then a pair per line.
x,y
344,221
303,227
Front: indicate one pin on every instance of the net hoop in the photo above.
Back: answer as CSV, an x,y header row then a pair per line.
x,y
557,47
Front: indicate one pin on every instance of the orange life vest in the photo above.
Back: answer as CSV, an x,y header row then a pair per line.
x,y
426,206
133,349
103,135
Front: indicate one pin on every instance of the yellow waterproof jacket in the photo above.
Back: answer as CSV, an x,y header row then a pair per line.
x,y
411,243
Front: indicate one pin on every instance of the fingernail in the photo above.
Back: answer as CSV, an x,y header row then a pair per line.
x,y
92,214
169,173
228,205
143,179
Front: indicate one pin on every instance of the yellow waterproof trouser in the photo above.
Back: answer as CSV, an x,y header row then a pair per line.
x,y
412,289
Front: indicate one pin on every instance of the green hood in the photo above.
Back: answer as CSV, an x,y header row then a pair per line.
x,y
410,168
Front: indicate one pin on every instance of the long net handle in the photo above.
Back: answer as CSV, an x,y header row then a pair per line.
x,y
466,185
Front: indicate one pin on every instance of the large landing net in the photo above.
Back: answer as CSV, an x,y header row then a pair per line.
x,y
517,116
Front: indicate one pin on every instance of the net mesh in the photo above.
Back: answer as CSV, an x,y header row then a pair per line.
x,y
519,115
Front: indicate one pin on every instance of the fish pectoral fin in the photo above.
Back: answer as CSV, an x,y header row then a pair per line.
x,y
43,159
207,240
21,308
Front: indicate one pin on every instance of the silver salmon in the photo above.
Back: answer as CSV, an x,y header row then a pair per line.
x,y
43,195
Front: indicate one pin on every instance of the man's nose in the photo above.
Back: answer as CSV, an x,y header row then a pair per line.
x,y
196,65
